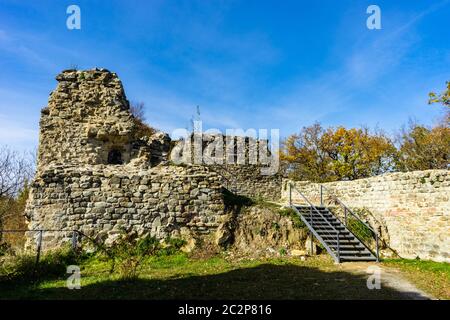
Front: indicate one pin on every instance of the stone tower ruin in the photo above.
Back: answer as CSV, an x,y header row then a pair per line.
x,y
88,121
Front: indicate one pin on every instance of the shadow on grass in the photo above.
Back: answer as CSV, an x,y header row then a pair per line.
x,y
265,281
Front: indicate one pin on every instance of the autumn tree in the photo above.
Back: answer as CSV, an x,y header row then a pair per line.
x,y
16,170
443,99
304,156
320,155
422,148
14,219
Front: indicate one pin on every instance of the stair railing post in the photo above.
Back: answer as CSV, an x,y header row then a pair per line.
x,y
338,249
39,246
345,216
378,250
74,240
311,233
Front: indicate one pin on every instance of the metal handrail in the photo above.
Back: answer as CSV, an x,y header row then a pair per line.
x,y
37,230
347,209
40,237
337,254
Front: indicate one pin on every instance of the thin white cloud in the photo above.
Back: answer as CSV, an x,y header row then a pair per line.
x,y
332,92
17,134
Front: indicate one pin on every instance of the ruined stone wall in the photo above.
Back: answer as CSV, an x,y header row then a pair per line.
x,y
99,174
244,174
247,180
102,201
414,208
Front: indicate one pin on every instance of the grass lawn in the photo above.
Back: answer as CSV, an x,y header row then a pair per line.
x,y
180,277
432,277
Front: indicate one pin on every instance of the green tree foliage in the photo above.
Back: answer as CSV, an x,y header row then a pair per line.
x,y
422,148
319,154
443,98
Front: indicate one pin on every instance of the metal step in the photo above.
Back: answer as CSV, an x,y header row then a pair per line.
x,y
328,236
347,247
358,249
354,258
341,228
355,253
323,217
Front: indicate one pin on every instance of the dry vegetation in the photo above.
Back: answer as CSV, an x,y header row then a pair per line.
x,y
16,171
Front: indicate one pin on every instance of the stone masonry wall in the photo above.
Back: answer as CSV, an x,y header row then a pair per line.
x,y
88,119
87,114
103,200
414,208
247,180
99,173
246,177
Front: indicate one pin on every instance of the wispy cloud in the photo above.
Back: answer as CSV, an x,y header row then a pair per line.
x,y
362,69
17,134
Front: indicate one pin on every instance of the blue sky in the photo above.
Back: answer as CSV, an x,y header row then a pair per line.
x,y
247,64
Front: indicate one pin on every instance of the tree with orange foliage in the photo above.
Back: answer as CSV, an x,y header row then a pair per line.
x,y
423,148
333,154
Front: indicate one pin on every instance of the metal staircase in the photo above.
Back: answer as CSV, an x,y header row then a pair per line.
x,y
331,232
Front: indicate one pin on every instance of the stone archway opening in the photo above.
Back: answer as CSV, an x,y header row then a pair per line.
x,y
115,156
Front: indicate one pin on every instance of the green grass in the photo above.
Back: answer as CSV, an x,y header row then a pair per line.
x,y
149,269
178,276
360,230
430,276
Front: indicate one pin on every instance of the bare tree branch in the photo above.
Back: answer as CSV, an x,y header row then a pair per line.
x,y
138,111
16,170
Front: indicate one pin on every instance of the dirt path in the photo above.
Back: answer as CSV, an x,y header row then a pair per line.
x,y
390,277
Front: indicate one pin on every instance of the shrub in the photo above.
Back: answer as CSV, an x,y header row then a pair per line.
x,y
51,264
289,212
172,246
5,248
360,230
128,253
147,246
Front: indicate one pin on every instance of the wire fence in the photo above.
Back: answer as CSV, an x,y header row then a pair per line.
x,y
39,236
